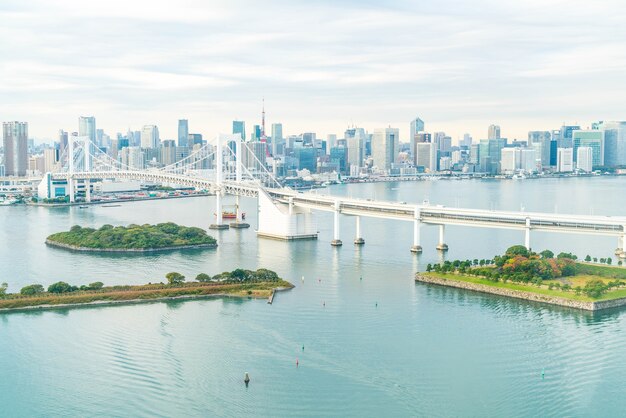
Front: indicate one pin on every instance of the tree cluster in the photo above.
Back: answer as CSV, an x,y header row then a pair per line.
x,y
134,236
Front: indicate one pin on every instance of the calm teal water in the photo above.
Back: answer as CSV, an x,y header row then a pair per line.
x,y
422,351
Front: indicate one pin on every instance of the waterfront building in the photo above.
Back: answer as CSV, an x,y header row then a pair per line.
x,y
307,159
493,132
456,157
150,137
564,138
15,142
529,160
339,156
183,133
355,140
385,147
540,141
239,127
423,156
445,163
490,151
590,138
614,142
565,160
584,159
510,160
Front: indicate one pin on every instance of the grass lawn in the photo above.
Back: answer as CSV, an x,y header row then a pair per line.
x,y
578,280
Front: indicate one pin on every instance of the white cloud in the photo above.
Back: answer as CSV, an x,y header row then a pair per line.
x,y
461,65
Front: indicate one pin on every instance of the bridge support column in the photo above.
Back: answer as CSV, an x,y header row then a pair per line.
x,y
219,167
527,234
619,251
442,246
358,240
87,191
218,213
238,224
417,224
336,242
72,192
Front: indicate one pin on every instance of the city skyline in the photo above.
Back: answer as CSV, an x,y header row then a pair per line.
x,y
141,65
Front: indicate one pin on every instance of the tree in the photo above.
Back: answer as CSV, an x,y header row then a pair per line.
x,y
619,263
174,278
203,277
595,259
609,261
595,288
588,258
546,254
60,287
602,260
96,286
32,289
3,289
517,250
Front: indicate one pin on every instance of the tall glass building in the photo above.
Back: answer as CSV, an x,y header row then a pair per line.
x,y
239,127
593,139
183,133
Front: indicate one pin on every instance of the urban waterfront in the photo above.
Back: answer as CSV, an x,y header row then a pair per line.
x,y
375,343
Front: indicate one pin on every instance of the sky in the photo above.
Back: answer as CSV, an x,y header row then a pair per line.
x,y
460,65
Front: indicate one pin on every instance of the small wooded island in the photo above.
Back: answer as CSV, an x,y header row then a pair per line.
x,y
541,277
132,238
261,283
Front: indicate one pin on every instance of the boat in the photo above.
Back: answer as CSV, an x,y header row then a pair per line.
x,y
229,215
8,202
110,206
83,206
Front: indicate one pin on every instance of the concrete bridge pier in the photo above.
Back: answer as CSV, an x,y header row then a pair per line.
x,y
71,188
442,246
417,224
336,242
621,240
239,223
219,224
527,234
358,240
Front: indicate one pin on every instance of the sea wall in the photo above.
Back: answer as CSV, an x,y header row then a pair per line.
x,y
519,294
123,250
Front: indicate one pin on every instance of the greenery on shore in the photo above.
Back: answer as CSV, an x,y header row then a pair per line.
x,y
164,235
544,273
259,283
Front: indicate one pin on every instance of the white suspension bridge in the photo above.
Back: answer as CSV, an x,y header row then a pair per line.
x,y
284,213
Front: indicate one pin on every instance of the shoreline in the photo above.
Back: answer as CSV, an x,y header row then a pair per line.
x,y
75,248
109,201
104,303
520,294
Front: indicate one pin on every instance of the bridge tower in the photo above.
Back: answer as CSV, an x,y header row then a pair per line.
x,y
219,173
73,142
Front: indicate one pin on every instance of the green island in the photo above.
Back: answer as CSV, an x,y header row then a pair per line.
x,y
132,238
542,277
261,283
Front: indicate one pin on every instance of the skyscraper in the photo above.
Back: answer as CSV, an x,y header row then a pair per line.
x,y
15,141
150,137
417,125
385,147
87,127
183,133
494,132
277,137
589,138
239,127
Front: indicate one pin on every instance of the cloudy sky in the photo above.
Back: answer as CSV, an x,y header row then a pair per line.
x,y
321,65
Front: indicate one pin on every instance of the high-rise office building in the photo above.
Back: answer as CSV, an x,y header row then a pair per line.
x,y
277,137
183,133
584,159
565,160
614,142
256,133
565,136
63,140
416,126
150,137
15,141
490,151
589,138
423,155
542,138
87,127
385,147
493,132
355,141
239,127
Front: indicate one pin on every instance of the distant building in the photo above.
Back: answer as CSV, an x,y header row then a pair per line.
x,y
239,127
493,132
590,138
133,157
183,133
584,159
564,138
15,141
150,137
87,127
490,151
565,160
355,140
423,154
385,147
277,137
614,142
